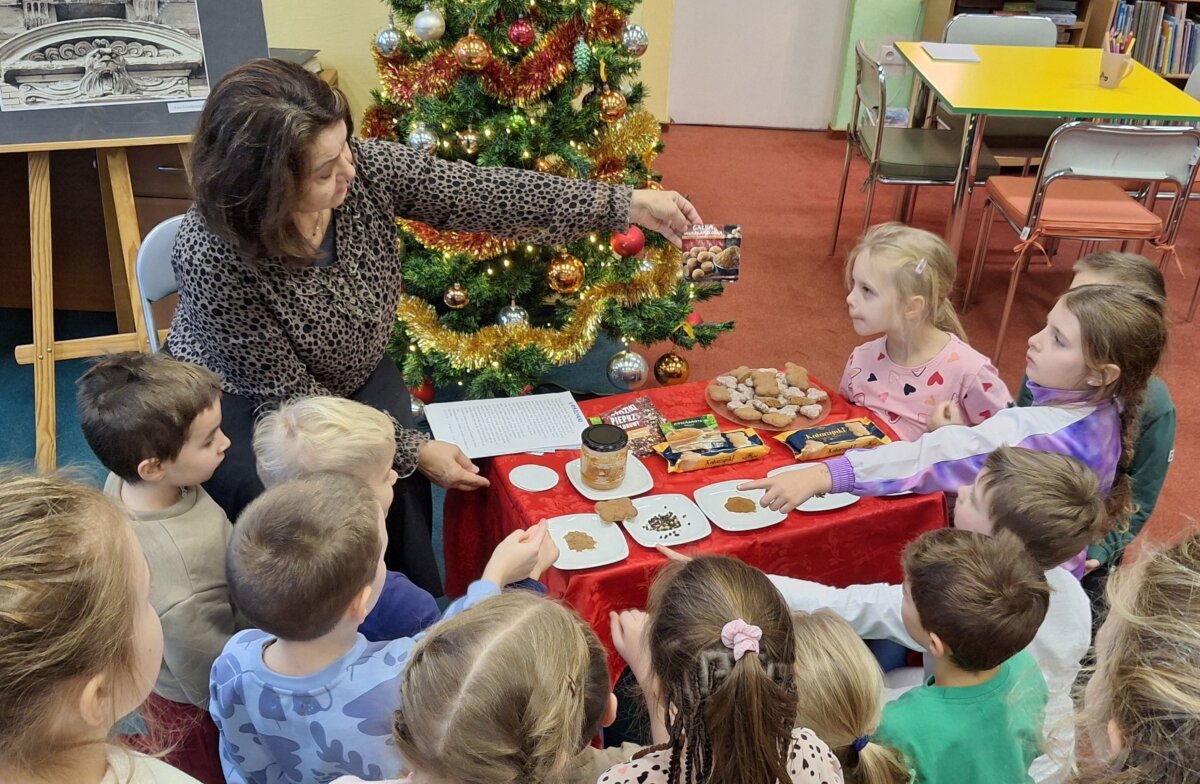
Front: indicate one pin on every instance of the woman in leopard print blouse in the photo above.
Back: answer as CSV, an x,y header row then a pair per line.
x,y
289,267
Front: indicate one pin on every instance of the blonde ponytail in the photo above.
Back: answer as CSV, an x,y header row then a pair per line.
x,y
843,698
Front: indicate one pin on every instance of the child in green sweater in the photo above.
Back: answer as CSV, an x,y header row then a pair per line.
x,y
974,602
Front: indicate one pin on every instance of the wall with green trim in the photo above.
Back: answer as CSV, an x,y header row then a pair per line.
x,y
875,22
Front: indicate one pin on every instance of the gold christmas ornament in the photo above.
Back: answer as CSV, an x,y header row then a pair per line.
x,y
554,164
468,142
456,297
472,52
477,350
565,274
671,369
612,105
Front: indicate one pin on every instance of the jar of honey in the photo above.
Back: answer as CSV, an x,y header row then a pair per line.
x,y
602,457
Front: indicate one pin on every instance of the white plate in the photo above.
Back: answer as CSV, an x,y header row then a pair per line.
x,y
694,525
533,477
637,481
711,499
818,503
610,542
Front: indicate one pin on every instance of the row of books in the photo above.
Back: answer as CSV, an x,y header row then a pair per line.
x,y
1167,41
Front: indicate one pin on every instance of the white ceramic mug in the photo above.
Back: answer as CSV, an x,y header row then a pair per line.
x,y
1114,67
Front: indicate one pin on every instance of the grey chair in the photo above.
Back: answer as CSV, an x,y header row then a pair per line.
x,y
895,156
1023,138
155,277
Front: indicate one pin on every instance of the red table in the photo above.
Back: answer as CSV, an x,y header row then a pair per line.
x,y
857,544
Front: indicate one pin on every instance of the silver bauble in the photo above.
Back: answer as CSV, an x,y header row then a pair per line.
x,y
636,40
512,315
418,409
628,370
388,39
423,139
429,25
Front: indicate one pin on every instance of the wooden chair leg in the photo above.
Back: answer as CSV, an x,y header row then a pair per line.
x,y
1013,280
977,261
841,200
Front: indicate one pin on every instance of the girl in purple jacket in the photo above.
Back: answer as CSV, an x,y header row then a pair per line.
x,y
1088,370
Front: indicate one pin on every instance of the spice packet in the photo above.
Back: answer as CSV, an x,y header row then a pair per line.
x,y
727,448
692,434
831,440
712,253
640,419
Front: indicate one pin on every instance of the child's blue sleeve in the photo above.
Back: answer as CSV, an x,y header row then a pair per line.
x,y
403,610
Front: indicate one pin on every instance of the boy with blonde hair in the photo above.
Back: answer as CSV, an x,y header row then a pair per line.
x,y
305,696
315,434
155,424
1053,504
974,602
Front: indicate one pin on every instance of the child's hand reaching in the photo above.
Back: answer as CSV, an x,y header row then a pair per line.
x,y
788,490
945,413
516,556
630,630
546,556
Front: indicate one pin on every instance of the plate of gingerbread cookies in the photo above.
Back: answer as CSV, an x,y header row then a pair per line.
x,y
735,510
768,398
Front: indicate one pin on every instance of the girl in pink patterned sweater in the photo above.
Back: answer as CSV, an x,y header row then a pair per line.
x,y
922,368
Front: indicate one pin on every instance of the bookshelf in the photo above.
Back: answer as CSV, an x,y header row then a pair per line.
x,y
1093,19
1172,47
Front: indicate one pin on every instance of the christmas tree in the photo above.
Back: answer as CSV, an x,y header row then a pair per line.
x,y
534,84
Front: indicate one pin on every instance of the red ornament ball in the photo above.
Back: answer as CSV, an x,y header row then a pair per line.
x,y
521,33
630,243
424,393
694,319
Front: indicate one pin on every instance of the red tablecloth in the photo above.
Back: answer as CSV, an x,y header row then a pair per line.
x,y
857,544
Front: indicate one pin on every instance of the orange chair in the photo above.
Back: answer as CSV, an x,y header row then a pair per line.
x,y
1074,195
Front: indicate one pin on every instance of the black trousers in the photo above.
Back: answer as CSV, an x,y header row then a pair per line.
x,y
410,520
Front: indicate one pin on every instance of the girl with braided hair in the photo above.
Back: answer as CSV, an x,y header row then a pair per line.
x,y
722,654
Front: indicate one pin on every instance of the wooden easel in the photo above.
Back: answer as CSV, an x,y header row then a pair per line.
x,y
124,239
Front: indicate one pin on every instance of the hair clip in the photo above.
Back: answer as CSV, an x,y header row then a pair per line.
x,y
921,265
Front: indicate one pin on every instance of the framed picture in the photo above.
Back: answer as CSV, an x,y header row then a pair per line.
x,y
102,70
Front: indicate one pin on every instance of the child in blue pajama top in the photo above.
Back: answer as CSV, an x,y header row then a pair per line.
x,y
305,697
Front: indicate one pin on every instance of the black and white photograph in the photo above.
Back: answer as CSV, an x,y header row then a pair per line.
x,y
57,54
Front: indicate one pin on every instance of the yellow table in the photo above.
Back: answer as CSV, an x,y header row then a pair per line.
x,y
1033,81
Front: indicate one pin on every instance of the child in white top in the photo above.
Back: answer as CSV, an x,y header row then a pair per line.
x,y
720,641
900,279
80,645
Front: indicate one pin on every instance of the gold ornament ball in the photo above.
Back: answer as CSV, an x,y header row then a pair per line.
x,y
671,369
472,52
612,105
565,274
456,297
542,164
468,142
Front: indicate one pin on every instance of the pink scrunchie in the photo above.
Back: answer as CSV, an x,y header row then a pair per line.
x,y
740,637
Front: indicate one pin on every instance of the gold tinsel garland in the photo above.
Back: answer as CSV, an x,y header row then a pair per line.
x,y
479,246
477,350
637,134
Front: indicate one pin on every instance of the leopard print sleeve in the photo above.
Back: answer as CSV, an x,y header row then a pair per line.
x,y
513,203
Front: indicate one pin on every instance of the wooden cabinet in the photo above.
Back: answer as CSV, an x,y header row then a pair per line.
x,y
1094,17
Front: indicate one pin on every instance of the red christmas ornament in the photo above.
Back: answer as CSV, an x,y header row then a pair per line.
x,y
694,319
424,393
527,389
630,243
521,33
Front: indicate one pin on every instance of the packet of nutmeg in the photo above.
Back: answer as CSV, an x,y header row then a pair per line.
x,y
712,253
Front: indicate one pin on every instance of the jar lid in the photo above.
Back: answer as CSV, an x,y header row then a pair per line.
x,y
605,438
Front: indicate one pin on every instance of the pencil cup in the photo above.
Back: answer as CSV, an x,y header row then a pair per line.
x,y
1114,67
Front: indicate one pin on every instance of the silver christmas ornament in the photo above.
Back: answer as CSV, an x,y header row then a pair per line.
x,y
423,139
628,370
387,40
512,315
429,25
636,40
418,410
